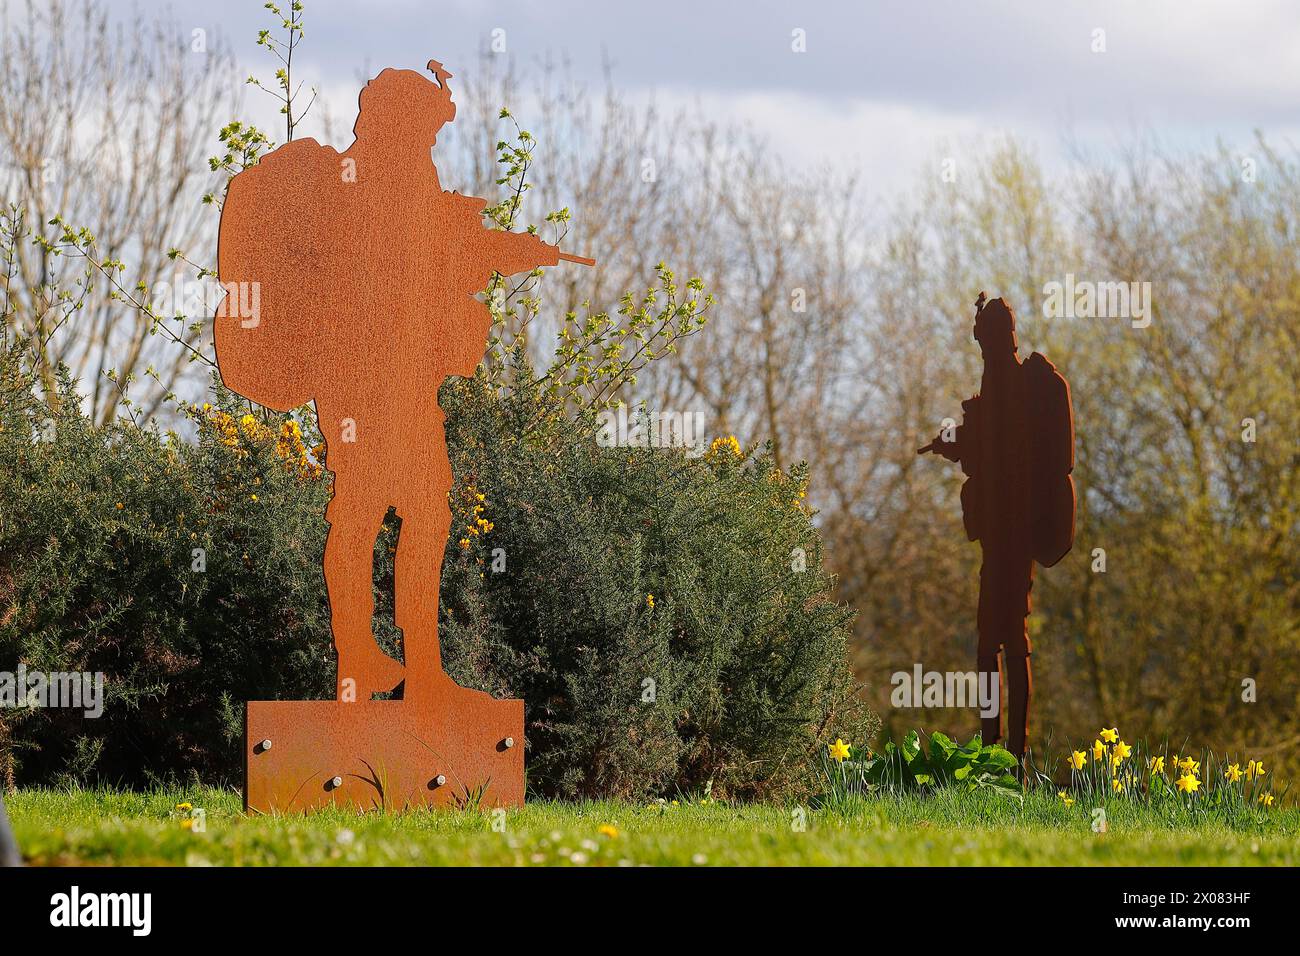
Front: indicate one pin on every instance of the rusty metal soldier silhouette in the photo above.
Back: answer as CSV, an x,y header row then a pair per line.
x,y
1016,445
368,273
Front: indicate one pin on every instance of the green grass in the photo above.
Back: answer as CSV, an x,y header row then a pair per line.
x,y
950,828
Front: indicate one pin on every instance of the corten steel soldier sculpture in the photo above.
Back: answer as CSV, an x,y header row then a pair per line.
x,y
1016,445
367,274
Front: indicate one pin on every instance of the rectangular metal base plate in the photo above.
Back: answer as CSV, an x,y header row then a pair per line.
x,y
461,747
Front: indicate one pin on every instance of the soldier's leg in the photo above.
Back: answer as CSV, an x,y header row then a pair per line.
x,y
417,578
363,669
987,654
1016,651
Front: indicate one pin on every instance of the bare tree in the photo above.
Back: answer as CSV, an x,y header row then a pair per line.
x,y
107,124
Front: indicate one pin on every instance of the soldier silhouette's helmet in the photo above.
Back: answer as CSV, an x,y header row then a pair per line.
x,y
995,327
406,106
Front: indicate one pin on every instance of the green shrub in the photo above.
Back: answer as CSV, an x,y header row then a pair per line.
x,y
101,532
643,604
99,528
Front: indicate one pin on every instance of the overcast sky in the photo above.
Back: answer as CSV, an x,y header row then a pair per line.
x,y
881,85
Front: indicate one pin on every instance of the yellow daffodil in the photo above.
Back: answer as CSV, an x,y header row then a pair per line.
x,y
1098,749
1123,751
1117,786
1157,764
1266,799
1254,769
1189,765
839,751
1077,759
1233,773
1188,784
1110,736
1066,798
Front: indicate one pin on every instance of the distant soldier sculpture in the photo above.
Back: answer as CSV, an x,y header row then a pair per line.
x,y
367,275
1016,445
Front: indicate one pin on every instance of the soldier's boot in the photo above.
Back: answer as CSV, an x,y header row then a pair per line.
x,y
990,727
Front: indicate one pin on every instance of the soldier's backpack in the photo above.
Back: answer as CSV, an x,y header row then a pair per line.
x,y
273,243
1051,426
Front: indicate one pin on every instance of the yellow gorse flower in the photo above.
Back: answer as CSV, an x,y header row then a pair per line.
x,y
725,444
249,430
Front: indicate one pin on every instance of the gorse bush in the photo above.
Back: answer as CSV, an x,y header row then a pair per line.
x,y
187,573
644,604
666,618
